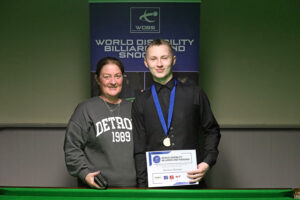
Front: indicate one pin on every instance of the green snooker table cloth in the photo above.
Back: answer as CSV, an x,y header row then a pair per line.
x,y
12,193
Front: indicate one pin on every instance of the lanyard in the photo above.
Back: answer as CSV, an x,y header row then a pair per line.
x,y
159,110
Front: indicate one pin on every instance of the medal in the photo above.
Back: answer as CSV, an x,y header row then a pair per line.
x,y
166,127
167,142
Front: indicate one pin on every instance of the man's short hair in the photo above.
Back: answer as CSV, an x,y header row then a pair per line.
x,y
158,42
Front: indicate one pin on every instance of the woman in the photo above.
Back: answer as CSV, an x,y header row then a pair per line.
x,y
99,134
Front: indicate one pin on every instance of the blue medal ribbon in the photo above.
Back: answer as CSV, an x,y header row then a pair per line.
x,y
159,110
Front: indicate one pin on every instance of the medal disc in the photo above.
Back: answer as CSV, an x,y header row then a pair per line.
x,y
167,142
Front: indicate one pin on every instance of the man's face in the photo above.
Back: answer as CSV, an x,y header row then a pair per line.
x,y
159,60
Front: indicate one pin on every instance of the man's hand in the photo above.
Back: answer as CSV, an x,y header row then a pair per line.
x,y
89,179
197,174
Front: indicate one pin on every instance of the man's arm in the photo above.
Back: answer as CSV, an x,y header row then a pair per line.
x,y
212,137
139,140
211,130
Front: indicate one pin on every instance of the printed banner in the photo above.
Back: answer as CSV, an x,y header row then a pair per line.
x,y
123,30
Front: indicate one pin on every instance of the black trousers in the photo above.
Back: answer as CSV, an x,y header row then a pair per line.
x,y
81,184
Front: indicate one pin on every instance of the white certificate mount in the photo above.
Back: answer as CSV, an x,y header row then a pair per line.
x,y
169,168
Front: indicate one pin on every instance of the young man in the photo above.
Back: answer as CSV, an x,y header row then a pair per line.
x,y
191,118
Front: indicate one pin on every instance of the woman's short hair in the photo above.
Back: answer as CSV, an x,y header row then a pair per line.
x,y
108,60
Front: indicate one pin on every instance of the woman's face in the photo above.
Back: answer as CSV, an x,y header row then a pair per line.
x,y
110,80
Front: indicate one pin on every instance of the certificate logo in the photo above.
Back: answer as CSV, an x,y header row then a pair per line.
x,y
156,159
144,20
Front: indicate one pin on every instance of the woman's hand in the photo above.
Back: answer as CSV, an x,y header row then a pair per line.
x,y
90,179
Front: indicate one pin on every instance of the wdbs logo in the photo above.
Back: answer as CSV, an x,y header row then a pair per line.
x,y
144,20
156,159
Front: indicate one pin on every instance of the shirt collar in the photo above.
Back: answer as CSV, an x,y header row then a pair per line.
x,y
169,85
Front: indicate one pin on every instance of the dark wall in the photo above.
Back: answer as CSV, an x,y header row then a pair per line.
x,y
249,63
44,60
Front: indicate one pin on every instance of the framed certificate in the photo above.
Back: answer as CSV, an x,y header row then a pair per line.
x,y
169,168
